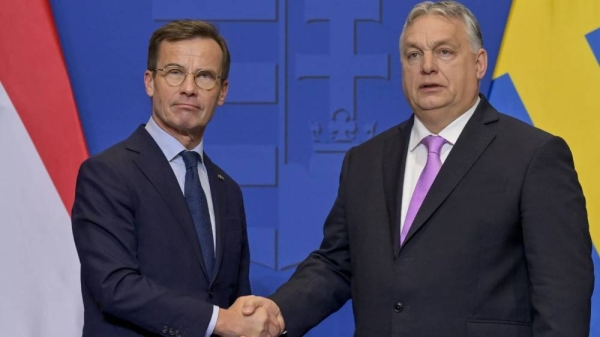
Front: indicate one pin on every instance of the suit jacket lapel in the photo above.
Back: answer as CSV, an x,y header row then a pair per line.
x,y
471,143
394,162
218,193
153,164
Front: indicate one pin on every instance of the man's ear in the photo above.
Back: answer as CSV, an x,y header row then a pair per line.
x,y
149,82
223,92
481,63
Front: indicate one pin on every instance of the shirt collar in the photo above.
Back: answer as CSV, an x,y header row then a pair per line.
x,y
170,146
450,132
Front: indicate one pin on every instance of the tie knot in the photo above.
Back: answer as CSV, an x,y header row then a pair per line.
x,y
433,144
190,158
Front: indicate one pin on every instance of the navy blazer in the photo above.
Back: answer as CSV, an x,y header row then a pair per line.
x,y
499,248
142,271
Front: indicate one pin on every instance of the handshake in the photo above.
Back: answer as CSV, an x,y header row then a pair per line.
x,y
250,316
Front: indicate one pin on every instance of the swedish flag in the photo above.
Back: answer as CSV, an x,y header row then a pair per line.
x,y
548,74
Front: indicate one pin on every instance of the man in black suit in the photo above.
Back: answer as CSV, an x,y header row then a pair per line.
x,y
494,243
160,229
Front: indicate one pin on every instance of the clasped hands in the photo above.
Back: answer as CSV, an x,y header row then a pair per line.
x,y
250,316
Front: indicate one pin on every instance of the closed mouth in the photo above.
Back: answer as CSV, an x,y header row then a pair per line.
x,y
430,86
186,105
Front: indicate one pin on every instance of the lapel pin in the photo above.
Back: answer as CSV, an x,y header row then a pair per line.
x,y
220,177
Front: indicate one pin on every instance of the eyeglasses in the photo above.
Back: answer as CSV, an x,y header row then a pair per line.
x,y
204,79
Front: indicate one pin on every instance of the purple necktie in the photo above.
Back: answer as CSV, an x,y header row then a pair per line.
x,y
431,169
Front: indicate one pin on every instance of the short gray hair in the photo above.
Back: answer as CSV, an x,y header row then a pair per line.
x,y
448,9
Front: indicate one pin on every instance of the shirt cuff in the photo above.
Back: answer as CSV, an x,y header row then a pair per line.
x,y
213,322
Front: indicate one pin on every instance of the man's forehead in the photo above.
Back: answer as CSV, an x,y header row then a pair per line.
x,y
198,44
433,16
204,49
446,32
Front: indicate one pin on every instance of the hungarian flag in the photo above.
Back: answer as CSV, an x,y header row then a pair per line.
x,y
41,148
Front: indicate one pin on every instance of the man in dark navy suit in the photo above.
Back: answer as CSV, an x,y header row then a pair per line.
x,y
160,229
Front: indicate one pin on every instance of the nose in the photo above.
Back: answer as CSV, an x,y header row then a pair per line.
x,y
188,87
429,65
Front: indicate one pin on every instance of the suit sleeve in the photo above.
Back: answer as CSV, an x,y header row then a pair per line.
x,y
557,243
105,236
321,284
244,272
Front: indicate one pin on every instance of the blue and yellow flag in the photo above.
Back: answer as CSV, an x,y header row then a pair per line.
x,y
548,73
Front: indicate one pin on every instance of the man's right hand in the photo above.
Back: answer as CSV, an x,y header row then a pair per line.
x,y
253,303
261,322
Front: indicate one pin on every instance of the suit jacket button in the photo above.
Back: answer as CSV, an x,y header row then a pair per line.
x,y
211,294
398,307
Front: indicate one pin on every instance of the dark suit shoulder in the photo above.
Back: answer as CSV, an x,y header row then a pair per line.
x,y
517,127
114,153
120,151
520,134
377,142
394,131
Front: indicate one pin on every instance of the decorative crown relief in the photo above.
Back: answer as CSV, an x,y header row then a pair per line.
x,y
342,133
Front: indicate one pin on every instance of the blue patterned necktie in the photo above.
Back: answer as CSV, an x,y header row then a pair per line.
x,y
196,201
